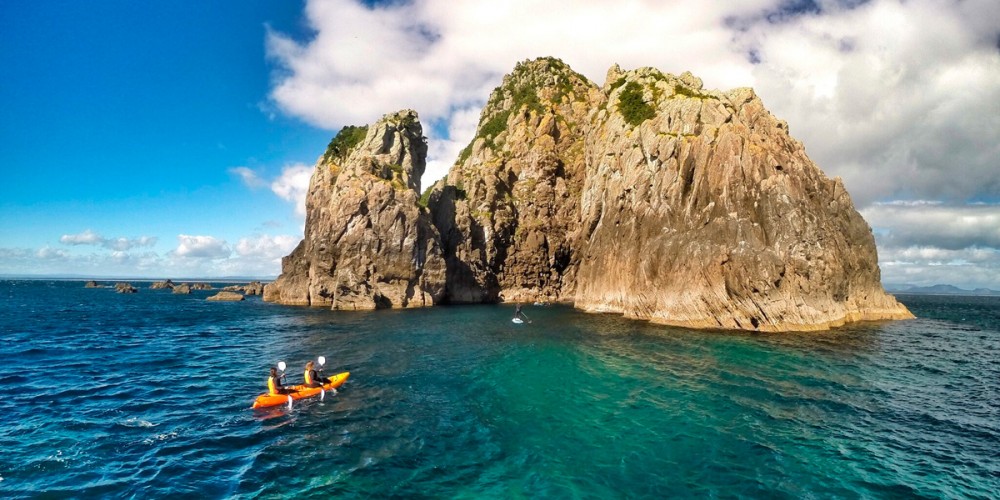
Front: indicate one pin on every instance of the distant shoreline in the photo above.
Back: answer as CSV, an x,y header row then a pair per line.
x,y
221,279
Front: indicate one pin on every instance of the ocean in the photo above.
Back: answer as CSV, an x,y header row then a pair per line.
x,y
148,395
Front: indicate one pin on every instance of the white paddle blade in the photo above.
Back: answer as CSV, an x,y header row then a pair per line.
x,y
322,361
281,365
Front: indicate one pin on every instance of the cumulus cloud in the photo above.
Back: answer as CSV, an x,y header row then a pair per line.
x,y
51,253
87,237
936,225
248,176
120,244
201,247
266,246
293,184
901,99
928,243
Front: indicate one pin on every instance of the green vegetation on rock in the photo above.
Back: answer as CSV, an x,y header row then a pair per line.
x,y
523,87
343,142
687,92
425,198
632,106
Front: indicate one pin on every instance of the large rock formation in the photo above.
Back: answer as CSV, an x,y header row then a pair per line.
x,y
368,244
650,197
700,210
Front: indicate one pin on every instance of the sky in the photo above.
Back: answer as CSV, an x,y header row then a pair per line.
x,y
176,139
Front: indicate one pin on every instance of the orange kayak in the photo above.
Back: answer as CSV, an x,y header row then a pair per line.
x,y
300,392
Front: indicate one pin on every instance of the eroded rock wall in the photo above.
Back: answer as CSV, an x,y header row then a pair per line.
x,y
706,213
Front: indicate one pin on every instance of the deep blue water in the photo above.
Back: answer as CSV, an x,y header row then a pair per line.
x,y
148,395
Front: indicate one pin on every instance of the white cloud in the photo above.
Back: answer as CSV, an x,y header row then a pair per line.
x,y
47,253
201,247
293,184
928,243
951,227
901,99
266,246
249,177
89,237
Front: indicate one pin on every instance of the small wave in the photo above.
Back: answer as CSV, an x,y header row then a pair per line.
x,y
160,437
136,422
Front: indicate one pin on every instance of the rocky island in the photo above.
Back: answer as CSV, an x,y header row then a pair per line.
x,y
650,197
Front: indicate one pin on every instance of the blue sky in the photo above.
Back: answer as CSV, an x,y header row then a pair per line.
x,y
126,118
175,139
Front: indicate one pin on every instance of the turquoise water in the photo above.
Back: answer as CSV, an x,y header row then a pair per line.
x,y
148,395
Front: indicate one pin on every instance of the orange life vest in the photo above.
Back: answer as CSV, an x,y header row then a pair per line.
x,y
271,387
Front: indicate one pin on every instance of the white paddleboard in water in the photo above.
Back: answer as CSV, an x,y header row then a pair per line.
x,y
517,320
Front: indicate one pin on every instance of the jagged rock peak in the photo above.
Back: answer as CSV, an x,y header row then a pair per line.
x,y
393,148
368,244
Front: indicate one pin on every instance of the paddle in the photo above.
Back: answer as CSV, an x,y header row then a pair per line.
x,y
322,361
281,368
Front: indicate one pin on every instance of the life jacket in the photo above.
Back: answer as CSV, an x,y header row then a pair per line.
x,y
308,377
272,388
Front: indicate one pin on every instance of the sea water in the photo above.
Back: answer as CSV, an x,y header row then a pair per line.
x,y
148,395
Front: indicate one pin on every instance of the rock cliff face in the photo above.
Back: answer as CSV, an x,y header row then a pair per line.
x,y
508,212
700,210
650,197
368,244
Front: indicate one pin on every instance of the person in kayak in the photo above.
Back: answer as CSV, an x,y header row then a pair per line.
x,y
274,386
313,377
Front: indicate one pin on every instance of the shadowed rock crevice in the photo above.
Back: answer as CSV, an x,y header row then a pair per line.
x,y
649,197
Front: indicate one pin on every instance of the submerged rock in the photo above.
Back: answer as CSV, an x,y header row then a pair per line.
x,y
649,197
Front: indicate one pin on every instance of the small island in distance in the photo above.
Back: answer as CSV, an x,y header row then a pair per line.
x,y
939,289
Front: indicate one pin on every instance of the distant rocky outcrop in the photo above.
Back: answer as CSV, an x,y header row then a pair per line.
x,y
252,288
162,285
649,196
125,288
201,286
93,284
183,288
226,297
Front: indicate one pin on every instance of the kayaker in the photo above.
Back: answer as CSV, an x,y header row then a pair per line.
x,y
313,378
274,386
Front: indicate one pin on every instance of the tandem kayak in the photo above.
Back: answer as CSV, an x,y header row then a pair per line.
x,y
300,392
